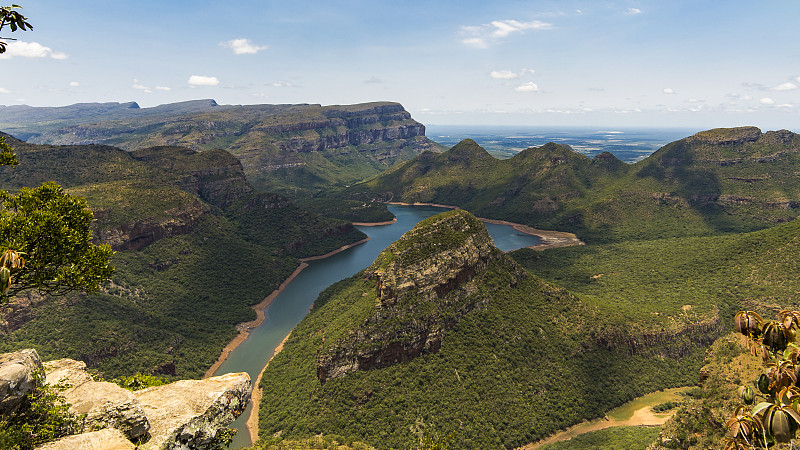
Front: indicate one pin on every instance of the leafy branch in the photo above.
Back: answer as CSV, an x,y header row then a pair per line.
x,y
14,20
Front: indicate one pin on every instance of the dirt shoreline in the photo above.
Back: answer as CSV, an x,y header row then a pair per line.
x,y
550,239
375,224
642,416
245,327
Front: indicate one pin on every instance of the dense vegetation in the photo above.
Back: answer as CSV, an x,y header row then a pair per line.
x,y
614,438
719,181
208,248
507,373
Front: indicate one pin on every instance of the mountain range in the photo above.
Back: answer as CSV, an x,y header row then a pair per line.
x,y
291,149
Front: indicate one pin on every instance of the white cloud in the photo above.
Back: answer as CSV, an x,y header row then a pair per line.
x,y
505,27
243,46
200,80
527,87
509,75
482,36
633,11
503,75
282,84
163,88
30,50
475,42
138,86
4,91
767,101
785,87
373,80
74,84
669,91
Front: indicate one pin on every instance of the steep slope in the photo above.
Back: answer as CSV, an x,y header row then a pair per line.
x,y
188,266
717,181
282,147
472,345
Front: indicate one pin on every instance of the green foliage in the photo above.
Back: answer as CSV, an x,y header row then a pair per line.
x,y
350,210
14,20
140,381
500,379
51,230
697,186
614,438
7,156
172,306
666,406
328,442
44,417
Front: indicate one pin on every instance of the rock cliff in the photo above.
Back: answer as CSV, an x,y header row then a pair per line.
x,y
187,414
280,146
423,286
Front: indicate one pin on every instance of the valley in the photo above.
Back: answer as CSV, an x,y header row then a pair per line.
x,y
442,334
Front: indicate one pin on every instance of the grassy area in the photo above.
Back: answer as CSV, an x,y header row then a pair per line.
x,y
615,438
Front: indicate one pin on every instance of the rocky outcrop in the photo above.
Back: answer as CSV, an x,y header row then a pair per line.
x,y
105,405
216,176
191,413
424,283
20,373
106,439
137,235
687,336
187,414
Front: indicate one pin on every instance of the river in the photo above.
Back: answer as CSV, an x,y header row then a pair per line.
x,y
293,303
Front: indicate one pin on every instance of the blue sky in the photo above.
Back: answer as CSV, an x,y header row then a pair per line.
x,y
676,63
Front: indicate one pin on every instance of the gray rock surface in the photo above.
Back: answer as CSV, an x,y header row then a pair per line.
x,y
107,439
20,373
190,413
105,404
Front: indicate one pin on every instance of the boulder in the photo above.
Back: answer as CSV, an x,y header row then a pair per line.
x,y
190,413
20,373
107,439
105,404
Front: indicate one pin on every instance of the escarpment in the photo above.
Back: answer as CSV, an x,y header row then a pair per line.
x,y
424,284
281,147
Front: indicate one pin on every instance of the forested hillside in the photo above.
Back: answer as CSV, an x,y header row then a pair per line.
x,y
717,181
196,246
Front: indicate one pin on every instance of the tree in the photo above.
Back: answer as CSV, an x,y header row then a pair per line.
x,y
45,240
777,418
14,20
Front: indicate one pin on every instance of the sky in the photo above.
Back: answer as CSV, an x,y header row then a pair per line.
x,y
646,63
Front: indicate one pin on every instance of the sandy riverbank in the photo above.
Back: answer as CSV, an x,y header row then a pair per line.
x,y
550,239
245,327
375,224
252,421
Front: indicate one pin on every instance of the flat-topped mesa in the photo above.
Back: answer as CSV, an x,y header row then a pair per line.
x,y
433,258
424,284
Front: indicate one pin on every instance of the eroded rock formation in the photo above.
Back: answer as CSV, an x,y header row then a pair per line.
x,y
187,414
423,285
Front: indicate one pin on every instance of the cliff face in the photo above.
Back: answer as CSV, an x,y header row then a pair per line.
x,y
423,286
280,146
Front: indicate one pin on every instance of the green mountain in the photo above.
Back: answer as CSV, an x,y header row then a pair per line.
x,y
196,247
293,149
447,335
717,181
